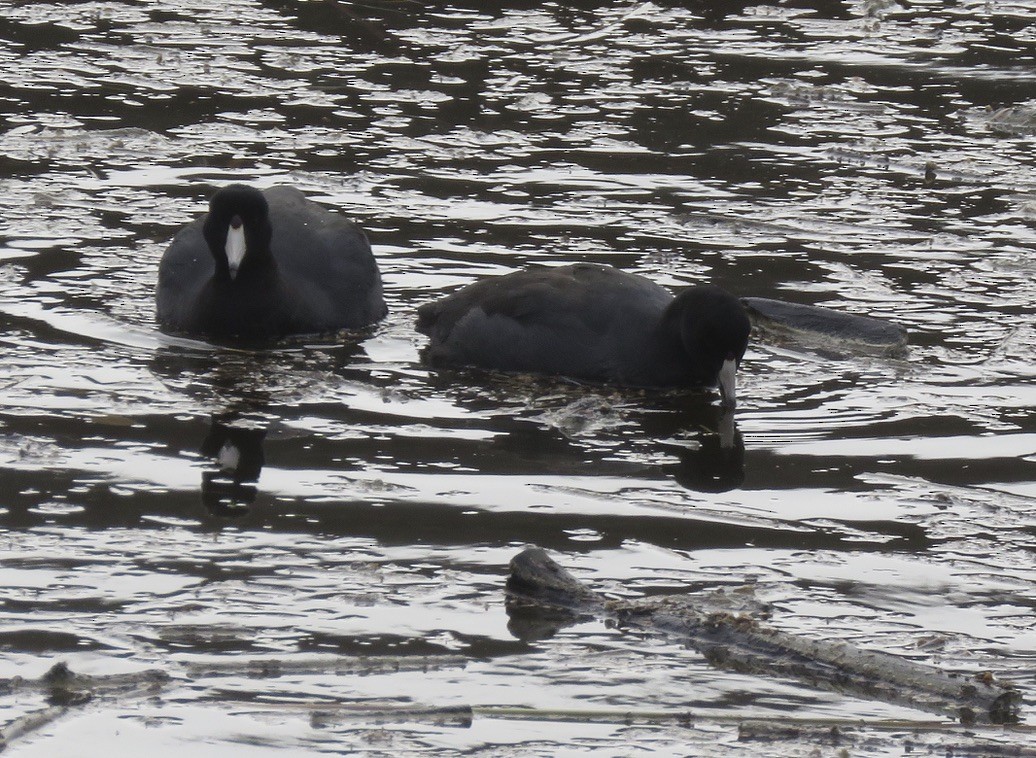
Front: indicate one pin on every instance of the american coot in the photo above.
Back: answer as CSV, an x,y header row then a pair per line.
x,y
263,265
591,322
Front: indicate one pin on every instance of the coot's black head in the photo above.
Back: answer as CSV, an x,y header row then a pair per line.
x,y
237,230
714,330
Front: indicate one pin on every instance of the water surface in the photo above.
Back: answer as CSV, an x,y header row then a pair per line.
x,y
868,157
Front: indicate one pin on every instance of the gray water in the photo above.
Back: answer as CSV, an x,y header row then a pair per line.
x,y
872,157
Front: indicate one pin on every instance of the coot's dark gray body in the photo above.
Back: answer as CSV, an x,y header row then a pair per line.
x,y
589,322
306,270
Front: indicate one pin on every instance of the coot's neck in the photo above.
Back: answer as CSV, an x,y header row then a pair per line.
x,y
705,326
670,349
248,306
258,266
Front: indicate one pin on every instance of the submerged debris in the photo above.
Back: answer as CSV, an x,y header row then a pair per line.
x,y
741,643
1013,120
67,692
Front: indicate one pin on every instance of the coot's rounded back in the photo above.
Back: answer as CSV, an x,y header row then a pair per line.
x,y
590,322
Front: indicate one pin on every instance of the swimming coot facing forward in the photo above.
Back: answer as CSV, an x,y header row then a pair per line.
x,y
263,265
591,322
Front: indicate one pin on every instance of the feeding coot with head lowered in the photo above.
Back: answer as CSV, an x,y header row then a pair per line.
x,y
591,322
265,265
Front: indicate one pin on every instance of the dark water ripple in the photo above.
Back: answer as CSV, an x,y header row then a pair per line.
x,y
868,156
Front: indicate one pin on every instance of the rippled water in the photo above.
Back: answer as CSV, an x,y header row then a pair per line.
x,y
868,156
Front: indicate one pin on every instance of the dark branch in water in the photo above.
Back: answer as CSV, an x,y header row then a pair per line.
x,y
65,690
740,643
62,686
267,668
29,723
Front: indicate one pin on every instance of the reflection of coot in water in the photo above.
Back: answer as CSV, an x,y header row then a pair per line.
x,y
237,450
263,265
591,322
251,380
717,464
